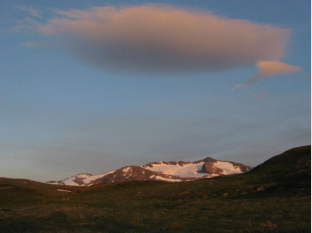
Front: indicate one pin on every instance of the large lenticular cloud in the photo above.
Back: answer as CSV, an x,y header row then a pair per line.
x,y
163,38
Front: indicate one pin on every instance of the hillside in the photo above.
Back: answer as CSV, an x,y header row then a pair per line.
x,y
289,171
293,164
256,201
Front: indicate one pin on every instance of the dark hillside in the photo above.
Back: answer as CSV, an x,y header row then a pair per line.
x,y
292,164
289,171
287,174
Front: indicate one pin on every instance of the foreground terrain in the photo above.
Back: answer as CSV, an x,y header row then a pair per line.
x,y
273,197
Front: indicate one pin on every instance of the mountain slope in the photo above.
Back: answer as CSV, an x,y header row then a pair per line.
x,y
160,171
291,164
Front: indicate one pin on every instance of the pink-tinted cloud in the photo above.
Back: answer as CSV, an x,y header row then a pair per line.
x,y
271,68
30,10
163,38
238,86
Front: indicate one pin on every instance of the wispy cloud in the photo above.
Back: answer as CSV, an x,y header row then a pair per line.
x,y
30,10
271,68
238,86
31,44
162,38
267,69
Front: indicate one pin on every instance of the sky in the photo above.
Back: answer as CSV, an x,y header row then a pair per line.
x,y
92,86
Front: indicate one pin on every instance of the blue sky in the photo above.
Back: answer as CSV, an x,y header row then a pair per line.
x,y
91,86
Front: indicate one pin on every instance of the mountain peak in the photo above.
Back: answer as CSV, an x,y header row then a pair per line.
x,y
211,160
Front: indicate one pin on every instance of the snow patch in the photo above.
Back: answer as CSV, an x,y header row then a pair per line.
x,y
82,179
127,169
95,177
227,167
167,180
63,190
55,182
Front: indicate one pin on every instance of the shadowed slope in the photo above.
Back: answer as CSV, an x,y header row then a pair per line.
x,y
293,164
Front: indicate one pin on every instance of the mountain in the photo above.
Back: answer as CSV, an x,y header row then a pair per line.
x,y
160,171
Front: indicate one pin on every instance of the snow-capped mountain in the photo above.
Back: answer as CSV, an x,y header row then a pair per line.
x,y
160,171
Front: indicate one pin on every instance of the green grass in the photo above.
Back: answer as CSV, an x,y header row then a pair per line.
x,y
250,202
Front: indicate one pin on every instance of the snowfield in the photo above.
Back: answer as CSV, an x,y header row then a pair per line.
x,y
191,170
187,170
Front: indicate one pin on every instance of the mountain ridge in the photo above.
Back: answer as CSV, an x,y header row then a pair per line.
x,y
173,171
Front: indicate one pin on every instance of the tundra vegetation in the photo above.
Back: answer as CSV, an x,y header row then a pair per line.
x,y
273,197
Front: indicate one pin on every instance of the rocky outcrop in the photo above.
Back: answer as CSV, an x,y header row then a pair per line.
x,y
210,169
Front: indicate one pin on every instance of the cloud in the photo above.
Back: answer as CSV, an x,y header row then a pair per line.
x,y
161,38
238,86
258,95
271,68
31,11
31,44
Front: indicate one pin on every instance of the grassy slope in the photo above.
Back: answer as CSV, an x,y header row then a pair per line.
x,y
274,197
